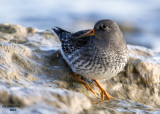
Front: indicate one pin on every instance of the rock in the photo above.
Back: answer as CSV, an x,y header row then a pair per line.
x,y
34,78
15,33
31,30
46,98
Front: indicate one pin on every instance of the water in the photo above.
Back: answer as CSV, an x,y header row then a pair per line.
x,y
75,15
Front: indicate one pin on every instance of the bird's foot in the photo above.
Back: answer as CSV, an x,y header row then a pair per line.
x,y
87,86
109,97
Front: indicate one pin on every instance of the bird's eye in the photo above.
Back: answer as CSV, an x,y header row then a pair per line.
x,y
104,26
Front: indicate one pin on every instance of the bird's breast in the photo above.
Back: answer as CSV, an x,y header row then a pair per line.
x,y
94,63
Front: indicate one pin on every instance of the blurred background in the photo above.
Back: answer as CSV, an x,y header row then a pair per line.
x,y
139,20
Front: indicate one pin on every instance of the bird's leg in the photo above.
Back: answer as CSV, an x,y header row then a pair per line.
x,y
109,97
87,86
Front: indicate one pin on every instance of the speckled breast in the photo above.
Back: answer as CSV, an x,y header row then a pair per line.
x,y
96,63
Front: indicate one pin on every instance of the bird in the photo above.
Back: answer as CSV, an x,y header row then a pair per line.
x,y
96,54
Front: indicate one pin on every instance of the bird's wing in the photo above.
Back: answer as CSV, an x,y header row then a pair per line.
x,y
68,42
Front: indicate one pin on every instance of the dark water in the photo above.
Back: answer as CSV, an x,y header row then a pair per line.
x,y
75,15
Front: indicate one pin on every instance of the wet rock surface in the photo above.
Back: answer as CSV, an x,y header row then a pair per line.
x,y
34,78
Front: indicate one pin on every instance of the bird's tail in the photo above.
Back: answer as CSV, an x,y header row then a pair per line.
x,y
59,31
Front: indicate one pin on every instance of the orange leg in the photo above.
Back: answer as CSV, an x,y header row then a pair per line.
x,y
87,86
109,97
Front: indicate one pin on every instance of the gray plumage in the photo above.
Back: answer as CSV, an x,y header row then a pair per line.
x,y
101,56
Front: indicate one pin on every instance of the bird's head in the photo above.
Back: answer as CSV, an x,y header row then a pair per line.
x,y
101,29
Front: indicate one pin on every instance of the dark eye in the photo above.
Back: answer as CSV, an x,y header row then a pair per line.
x,y
104,26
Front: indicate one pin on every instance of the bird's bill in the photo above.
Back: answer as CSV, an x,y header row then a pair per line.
x,y
89,33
